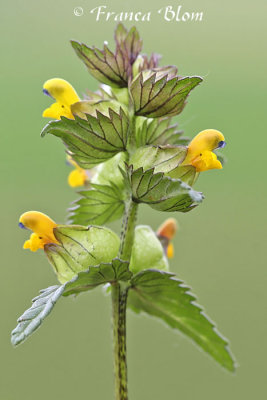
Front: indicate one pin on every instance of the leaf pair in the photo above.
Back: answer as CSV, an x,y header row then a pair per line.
x,y
154,292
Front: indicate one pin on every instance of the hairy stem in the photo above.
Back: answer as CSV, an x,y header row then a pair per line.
x,y
119,303
127,232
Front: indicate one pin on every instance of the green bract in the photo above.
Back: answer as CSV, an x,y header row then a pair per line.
x,y
161,192
156,96
98,205
92,140
158,131
114,69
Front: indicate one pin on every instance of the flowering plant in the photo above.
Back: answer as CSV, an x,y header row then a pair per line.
x,y
126,152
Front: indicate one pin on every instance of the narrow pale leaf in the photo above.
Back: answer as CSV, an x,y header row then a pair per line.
x,y
161,295
32,318
103,273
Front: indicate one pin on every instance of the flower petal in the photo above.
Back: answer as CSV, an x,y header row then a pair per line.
x,y
77,177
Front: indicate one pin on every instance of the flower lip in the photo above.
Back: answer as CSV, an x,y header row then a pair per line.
x,y
221,144
45,91
22,226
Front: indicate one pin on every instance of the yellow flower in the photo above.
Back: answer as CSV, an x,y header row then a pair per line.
x,y
77,177
166,233
64,94
42,227
200,150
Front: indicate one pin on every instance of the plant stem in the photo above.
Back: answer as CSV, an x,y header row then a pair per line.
x,y
127,232
119,303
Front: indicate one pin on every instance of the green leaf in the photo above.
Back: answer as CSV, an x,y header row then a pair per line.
x,y
98,205
129,44
32,318
158,95
158,132
104,65
91,107
104,201
161,192
147,251
79,248
165,159
110,171
103,273
162,158
117,270
161,295
113,69
94,140
105,93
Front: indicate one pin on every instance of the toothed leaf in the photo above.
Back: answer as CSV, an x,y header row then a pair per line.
x,y
116,270
32,318
113,69
94,140
158,132
128,43
104,65
157,95
98,205
161,295
161,192
167,159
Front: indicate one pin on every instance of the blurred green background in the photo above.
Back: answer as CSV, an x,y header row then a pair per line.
x,y
221,246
